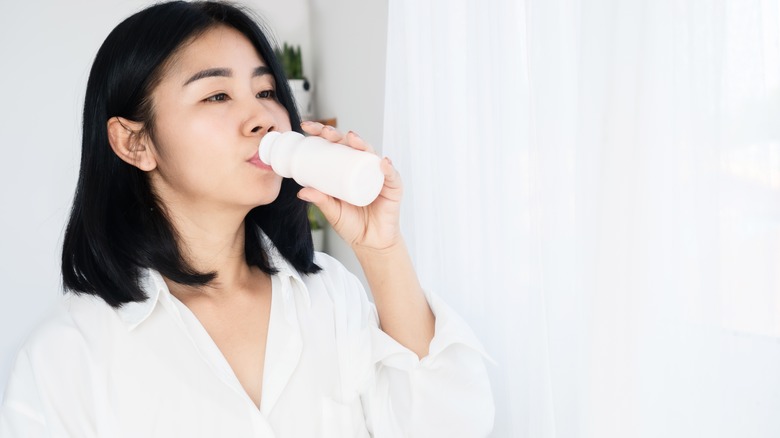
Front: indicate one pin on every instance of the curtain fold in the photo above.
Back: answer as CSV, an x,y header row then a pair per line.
x,y
595,186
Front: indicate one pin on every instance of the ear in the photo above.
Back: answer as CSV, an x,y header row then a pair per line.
x,y
130,144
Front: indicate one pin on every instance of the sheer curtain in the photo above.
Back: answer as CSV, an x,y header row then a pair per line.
x,y
595,186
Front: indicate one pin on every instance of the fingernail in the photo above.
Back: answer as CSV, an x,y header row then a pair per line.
x,y
307,123
300,196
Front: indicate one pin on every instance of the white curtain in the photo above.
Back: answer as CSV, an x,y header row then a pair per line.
x,y
595,186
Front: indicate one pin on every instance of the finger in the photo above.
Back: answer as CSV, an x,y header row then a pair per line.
x,y
311,127
357,142
390,172
328,205
325,131
393,187
332,134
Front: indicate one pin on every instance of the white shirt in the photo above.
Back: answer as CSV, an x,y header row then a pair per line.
x,y
150,369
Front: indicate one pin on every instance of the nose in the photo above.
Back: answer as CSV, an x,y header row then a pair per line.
x,y
258,122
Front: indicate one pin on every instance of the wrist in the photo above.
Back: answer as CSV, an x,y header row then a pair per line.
x,y
393,247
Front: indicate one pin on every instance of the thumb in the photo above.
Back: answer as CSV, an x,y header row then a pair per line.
x,y
328,205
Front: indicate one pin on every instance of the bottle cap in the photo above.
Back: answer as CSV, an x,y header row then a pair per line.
x,y
264,149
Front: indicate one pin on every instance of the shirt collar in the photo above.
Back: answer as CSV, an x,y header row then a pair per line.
x,y
283,267
152,283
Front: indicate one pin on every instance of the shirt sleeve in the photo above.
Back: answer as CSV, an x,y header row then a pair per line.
x,y
21,413
445,394
49,392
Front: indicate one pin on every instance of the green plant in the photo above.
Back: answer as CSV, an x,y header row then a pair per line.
x,y
290,57
316,219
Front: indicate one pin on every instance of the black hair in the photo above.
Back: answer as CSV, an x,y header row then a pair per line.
x,y
117,226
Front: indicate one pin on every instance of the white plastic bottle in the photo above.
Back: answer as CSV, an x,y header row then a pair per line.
x,y
335,169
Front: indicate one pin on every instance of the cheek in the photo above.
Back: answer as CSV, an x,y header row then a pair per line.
x,y
187,161
281,117
189,138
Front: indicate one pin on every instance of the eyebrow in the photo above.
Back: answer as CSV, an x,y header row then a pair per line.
x,y
225,72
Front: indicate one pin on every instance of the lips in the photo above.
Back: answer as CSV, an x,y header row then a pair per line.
x,y
256,161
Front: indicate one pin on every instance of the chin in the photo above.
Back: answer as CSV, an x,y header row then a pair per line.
x,y
262,192
265,198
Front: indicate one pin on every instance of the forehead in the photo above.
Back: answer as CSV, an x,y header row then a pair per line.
x,y
218,47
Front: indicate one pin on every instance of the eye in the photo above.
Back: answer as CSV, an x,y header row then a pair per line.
x,y
266,94
219,97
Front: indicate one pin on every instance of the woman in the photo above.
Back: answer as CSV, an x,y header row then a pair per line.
x,y
196,305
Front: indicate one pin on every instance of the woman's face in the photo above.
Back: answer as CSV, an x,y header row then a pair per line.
x,y
211,108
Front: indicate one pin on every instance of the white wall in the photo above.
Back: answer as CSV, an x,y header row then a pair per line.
x,y
47,52
47,48
349,39
288,22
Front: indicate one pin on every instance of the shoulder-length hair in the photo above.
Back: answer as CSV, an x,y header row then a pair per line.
x,y
117,226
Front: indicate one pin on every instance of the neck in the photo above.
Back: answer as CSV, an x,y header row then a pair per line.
x,y
213,242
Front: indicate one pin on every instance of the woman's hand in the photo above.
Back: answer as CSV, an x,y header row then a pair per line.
x,y
374,233
373,227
